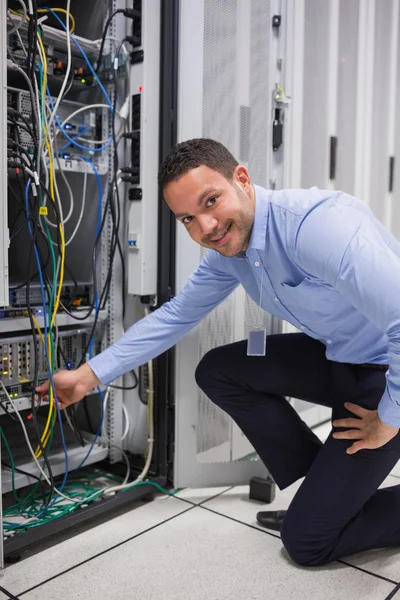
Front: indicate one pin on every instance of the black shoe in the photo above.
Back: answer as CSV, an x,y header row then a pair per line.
x,y
271,519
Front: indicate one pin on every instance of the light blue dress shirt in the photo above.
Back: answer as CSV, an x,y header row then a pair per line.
x,y
330,268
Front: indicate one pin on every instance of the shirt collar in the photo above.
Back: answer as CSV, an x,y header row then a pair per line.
x,y
259,230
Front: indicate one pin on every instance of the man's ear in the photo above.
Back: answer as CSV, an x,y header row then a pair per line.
x,y
242,178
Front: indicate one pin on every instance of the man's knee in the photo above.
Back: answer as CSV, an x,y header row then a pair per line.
x,y
208,369
303,546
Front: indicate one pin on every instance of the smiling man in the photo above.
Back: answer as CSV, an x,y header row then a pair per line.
x,y
320,260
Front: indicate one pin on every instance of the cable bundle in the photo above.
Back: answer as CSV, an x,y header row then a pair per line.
x,y
41,211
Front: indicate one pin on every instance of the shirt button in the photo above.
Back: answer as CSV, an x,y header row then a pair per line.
x,y
302,328
329,341
257,264
276,299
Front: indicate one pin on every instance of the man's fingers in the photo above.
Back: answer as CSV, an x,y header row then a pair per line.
x,y
349,423
356,447
43,389
352,434
357,410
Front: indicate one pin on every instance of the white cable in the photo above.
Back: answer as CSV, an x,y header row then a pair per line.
x,y
111,39
22,19
124,412
150,443
31,450
69,60
127,422
15,30
84,501
79,110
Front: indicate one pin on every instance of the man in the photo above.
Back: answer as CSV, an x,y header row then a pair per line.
x,y
320,260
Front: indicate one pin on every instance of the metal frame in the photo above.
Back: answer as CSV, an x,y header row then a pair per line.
x,y
165,364
3,163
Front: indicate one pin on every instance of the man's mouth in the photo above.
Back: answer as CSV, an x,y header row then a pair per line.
x,y
222,237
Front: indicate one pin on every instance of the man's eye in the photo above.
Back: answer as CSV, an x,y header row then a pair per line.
x,y
186,220
211,201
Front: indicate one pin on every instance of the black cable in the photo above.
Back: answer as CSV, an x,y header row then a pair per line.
x,y
22,472
130,387
36,366
103,37
7,412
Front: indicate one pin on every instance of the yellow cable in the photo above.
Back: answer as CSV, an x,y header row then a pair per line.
x,y
38,328
46,10
51,414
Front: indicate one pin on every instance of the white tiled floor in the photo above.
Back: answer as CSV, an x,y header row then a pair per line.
x,y
211,549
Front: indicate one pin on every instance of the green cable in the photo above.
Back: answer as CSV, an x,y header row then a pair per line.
x,y
12,464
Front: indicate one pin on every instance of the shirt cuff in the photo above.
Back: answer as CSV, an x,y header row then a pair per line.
x,y
388,410
105,366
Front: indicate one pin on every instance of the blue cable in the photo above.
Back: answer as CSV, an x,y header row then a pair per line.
x,y
78,135
71,140
28,185
84,56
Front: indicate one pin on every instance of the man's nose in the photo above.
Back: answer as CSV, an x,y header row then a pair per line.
x,y
207,223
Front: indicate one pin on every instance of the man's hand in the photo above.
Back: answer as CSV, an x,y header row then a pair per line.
x,y
368,428
70,386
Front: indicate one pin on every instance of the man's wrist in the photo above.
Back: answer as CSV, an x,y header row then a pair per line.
x,y
385,427
87,378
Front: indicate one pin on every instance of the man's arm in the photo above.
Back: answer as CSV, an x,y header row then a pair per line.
x,y
342,246
152,335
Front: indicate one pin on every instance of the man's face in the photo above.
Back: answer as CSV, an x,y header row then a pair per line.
x,y
217,213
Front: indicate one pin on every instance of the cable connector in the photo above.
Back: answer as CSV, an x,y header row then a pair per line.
x,y
131,135
13,164
131,178
130,170
131,13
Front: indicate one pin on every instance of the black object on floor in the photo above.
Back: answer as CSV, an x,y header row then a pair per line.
x,y
262,489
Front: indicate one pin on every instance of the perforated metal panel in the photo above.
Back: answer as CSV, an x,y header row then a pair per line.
x,y
245,130
315,155
379,151
347,97
219,80
260,91
396,186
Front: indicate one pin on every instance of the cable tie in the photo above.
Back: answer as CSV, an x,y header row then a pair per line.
x,y
36,178
34,190
116,63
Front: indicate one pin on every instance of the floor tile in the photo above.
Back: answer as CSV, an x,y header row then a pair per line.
x,y
384,562
203,556
236,504
322,431
42,565
198,496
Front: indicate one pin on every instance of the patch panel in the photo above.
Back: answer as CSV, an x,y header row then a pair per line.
x,y
87,124
17,355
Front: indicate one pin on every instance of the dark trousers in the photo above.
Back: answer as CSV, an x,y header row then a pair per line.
x,y
338,509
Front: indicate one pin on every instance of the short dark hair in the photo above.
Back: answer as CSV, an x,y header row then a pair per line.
x,y
192,154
